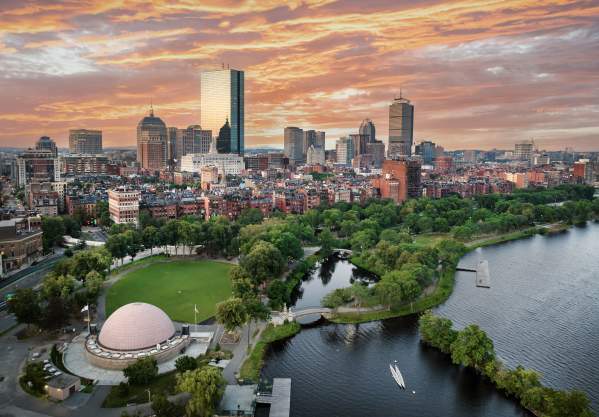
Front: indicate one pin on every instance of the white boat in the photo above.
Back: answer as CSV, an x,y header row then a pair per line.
x,y
396,376
400,376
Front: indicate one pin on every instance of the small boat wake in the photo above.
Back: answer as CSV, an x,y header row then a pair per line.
x,y
397,376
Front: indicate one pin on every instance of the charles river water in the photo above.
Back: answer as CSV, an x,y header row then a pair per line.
x,y
542,311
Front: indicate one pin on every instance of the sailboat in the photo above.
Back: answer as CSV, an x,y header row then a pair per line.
x,y
397,376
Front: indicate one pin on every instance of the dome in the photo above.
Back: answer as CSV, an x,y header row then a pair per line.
x,y
136,326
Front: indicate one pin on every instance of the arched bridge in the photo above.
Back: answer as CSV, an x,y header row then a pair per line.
x,y
279,317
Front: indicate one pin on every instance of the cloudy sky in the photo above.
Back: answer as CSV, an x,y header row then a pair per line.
x,y
481,73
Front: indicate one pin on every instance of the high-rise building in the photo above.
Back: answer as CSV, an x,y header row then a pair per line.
x,y
313,137
84,141
172,158
222,101
315,155
377,150
400,180
151,142
360,141
367,128
293,143
401,127
194,139
583,171
523,151
37,166
426,149
344,150
44,143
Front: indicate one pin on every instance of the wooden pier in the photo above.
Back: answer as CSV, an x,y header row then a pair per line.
x,y
483,276
280,399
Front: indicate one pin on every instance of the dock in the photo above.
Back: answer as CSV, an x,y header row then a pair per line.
x,y
280,399
483,277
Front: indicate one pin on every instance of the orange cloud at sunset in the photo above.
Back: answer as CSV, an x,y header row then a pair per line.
x,y
481,74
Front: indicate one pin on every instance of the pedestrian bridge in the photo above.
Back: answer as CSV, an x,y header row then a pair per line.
x,y
279,317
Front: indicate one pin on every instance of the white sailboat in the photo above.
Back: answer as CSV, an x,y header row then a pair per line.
x,y
396,376
400,376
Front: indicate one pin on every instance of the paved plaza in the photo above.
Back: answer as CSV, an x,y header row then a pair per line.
x,y
76,362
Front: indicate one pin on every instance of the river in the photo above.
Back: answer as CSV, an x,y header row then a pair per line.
x,y
542,311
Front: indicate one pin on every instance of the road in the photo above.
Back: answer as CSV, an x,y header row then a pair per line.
x,y
29,277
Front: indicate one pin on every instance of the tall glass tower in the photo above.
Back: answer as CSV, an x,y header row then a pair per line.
x,y
222,100
401,128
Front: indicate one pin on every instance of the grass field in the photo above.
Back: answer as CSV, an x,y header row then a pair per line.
x,y
174,287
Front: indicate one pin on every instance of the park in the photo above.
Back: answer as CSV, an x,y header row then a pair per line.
x,y
176,287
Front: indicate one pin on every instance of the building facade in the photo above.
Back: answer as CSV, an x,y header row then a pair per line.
x,y
344,150
426,149
84,141
229,164
151,143
46,144
401,128
367,129
20,244
123,205
37,165
293,144
221,103
315,155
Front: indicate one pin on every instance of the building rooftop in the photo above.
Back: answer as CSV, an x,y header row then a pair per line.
x,y
63,381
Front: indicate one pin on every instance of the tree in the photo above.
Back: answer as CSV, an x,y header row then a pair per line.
x,y
569,404
93,284
84,262
150,238
206,386
57,286
326,241
133,241
231,313
289,245
56,313
72,226
141,372
472,347
241,283
162,407
117,246
360,293
34,377
250,216
255,311
25,306
185,363
277,294
263,262
170,233
437,331
53,230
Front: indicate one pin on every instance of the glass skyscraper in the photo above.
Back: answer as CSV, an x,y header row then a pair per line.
x,y
222,101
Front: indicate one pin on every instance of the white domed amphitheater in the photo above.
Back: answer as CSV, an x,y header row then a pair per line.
x,y
135,331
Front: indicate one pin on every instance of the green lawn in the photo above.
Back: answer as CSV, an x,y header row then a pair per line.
x,y
174,287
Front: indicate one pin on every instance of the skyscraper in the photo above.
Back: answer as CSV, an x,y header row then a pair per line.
x,y
85,141
360,142
523,150
222,100
367,129
151,142
46,144
223,140
426,150
344,149
293,143
401,127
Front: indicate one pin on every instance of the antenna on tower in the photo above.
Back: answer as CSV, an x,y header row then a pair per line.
x,y
223,65
151,108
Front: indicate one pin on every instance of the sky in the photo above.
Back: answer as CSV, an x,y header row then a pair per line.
x,y
481,74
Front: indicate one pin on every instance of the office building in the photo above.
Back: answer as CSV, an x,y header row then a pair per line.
x,y
222,103
313,137
46,144
377,150
583,171
123,205
151,142
367,129
227,163
401,128
37,165
315,155
293,143
83,141
426,149
344,150
359,143
523,151
194,139
87,164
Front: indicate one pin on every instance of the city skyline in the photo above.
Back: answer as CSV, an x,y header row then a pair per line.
x,y
99,65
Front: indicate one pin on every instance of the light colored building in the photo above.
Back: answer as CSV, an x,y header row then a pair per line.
x,y
152,141
344,150
523,151
315,155
20,244
293,144
313,137
222,103
123,205
401,127
227,163
63,386
84,141
37,165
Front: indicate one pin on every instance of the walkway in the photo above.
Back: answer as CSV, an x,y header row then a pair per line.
x,y
280,399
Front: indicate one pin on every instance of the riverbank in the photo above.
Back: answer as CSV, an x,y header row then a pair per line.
x,y
445,284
